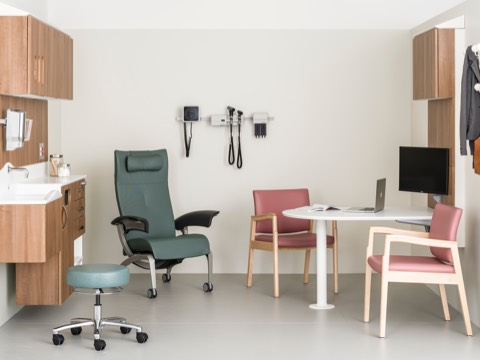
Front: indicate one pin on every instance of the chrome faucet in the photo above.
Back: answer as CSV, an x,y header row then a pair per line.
x,y
11,168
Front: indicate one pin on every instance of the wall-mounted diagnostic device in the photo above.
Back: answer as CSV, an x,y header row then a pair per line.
x,y
231,119
191,114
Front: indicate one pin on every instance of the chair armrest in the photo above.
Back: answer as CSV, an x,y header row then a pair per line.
x,y
421,241
129,223
396,231
261,217
390,231
195,218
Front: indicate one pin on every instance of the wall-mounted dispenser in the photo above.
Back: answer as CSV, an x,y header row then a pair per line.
x,y
15,126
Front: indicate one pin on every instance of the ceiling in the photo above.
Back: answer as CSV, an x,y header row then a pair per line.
x,y
239,14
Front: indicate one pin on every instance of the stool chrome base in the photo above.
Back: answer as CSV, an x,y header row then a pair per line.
x,y
97,323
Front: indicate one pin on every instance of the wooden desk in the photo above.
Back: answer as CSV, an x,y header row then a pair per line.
x,y
321,218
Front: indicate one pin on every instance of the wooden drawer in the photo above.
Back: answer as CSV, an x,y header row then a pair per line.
x,y
78,208
79,190
78,228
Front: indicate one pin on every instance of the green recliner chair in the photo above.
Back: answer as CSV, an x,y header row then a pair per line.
x,y
146,225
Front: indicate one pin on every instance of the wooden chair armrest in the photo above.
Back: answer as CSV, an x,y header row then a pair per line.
x,y
390,231
396,231
421,241
263,217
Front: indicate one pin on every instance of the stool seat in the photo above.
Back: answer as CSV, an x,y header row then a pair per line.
x,y
98,276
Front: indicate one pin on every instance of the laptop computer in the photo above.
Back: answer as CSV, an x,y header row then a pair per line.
x,y
379,200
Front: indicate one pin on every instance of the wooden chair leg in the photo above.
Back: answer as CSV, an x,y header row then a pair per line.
x,y
307,266
466,314
443,296
250,267
368,286
383,307
275,273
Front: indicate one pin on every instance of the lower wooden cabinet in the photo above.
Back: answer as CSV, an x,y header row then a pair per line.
x,y
45,283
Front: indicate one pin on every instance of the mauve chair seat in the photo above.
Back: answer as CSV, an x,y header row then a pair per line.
x,y
411,264
295,240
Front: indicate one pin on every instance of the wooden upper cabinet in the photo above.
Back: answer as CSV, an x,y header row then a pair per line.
x,y
35,58
433,64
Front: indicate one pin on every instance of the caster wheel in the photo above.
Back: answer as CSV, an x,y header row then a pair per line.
x,y
76,331
207,287
142,337
125,330
166,278
152,293
99,344
58,339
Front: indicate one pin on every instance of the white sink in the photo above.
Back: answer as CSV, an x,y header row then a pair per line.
x,y
13,198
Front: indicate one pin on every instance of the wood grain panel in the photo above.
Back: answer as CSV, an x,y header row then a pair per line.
x,y
37,110
433,64
13,54
38,284
446,63
441,133
30,233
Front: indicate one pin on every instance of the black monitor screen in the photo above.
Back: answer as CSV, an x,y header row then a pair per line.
x,y
423,169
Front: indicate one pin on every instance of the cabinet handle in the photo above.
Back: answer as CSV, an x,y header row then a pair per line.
x,y
42,70
64,216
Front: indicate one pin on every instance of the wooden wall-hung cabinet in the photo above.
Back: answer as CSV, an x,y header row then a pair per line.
x,y
433,64
434,80
35,58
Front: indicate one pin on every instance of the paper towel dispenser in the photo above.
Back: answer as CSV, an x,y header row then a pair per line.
x,y
15,126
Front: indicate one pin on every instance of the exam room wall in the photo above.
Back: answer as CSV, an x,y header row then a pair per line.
x,y
340,99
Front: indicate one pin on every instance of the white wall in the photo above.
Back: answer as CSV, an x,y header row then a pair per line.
x,y
470,255
341,102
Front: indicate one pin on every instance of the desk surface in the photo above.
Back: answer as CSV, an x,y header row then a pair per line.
x,y
389,213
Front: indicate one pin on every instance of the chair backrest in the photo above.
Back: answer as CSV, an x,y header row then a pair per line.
x,y
275,201
141,187
444,226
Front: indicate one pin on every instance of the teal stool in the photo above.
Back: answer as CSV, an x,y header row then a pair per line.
x,y
102,279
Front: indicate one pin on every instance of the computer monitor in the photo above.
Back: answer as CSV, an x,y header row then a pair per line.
x,y
424,170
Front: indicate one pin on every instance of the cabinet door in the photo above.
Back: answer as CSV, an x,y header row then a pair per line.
x,y
59,65
66,258
433,64
37,56
13,54
39,283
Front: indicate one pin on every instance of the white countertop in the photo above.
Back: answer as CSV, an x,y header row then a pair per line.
x,y
29,199
50,181
38,190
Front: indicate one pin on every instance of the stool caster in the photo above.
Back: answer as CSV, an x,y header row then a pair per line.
x,y
142,337
99,344
76,330
58,339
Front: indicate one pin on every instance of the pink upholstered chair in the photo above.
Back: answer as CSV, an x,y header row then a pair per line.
x,y
442,268
271,231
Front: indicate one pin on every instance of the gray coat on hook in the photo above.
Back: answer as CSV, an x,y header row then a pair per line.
x,y
470,102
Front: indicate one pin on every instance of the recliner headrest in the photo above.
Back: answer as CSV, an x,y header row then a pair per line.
x,y
144,163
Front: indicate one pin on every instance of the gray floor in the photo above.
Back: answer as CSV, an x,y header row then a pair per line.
x,y
234,322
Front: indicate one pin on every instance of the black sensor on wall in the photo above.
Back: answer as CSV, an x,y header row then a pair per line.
x,y
191,113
